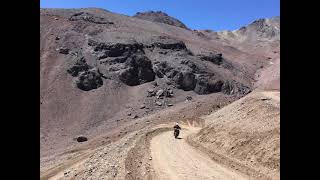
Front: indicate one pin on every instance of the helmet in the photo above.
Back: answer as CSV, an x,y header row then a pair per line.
x,y
177,123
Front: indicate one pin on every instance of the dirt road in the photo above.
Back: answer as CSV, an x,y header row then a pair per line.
x,y
176,159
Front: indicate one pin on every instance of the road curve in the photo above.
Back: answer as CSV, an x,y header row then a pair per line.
x,y
175,159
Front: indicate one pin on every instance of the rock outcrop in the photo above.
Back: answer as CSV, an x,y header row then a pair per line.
x,y
88,17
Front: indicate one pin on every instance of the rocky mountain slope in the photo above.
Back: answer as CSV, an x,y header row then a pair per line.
x,y
102,72
261,38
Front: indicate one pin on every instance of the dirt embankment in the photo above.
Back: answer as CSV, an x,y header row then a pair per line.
x,y
245,135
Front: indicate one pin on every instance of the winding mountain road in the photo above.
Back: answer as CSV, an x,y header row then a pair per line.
x,y
175,159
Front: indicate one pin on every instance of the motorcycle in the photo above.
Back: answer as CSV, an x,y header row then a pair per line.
x,y
176,133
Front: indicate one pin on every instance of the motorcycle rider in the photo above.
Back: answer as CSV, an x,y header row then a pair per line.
x,y
176,129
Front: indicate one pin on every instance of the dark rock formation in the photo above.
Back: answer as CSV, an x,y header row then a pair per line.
x,y
178,45
234,87
81,139
208,84
214,58
115,49
139,70
79,66
185,80
63,50
85,16
89,80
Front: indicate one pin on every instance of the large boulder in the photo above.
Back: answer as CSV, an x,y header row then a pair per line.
x,y
207,85
235,88
185,80
129,76
81,138
139,70
190,64
89,80
79,66
163,68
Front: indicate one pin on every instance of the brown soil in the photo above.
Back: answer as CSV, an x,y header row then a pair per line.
x,y
116,116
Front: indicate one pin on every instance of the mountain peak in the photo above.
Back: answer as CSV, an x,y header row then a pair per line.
x,y
263,28
161,17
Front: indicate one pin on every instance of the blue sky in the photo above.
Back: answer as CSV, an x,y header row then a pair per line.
x,y
196,14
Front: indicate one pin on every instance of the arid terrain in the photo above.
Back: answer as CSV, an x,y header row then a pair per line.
x,y
112,86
